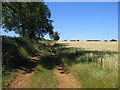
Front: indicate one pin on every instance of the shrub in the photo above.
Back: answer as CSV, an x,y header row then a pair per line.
x,y
16,51
113,40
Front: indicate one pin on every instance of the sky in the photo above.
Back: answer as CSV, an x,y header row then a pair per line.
x,y
84,20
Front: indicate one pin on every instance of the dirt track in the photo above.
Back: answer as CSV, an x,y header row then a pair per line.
x,y
22,80
65,80
23,77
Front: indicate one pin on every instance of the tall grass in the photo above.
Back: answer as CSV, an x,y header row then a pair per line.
x,y
91,75
87,68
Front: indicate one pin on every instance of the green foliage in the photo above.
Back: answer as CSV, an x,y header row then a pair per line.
x,y
10,52
55,36
15,52
27,44
29,19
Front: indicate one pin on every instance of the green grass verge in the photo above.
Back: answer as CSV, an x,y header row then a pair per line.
x,y
93,76
43,78
44,72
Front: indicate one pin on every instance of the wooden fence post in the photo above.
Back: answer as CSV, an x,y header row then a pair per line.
x,y
101,62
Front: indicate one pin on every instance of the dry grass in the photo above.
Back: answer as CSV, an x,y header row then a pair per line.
x,y
100,46
108,60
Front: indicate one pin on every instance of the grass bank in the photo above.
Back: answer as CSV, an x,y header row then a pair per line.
x,y
16,52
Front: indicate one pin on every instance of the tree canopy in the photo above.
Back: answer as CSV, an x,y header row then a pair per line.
x,y
28,19
55,36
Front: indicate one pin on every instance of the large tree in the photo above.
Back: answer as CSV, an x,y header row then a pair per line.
x,y
29,19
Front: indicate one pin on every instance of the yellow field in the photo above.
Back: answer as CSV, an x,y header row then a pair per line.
x,y
97,46
100,46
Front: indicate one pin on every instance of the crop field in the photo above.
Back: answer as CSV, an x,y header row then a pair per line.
x,y
93,64
112,46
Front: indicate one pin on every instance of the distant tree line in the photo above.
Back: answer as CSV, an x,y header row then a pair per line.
x,y
93,40
74,40
112,40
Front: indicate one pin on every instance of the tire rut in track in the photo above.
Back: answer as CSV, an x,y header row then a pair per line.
x,y
23,77
65,80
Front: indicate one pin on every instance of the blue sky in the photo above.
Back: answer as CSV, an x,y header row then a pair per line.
x,y
84,20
